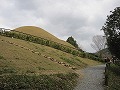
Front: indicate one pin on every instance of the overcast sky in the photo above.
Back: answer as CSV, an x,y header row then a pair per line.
x,y
81,19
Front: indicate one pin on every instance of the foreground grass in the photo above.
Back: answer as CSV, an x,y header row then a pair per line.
x,y
41,82
114,78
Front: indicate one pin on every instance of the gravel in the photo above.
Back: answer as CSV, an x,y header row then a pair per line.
x,y
93,78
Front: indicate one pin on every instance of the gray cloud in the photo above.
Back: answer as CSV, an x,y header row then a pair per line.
x,y
81,19
25,5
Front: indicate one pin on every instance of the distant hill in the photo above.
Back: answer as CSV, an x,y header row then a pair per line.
x,y
39,32
105,53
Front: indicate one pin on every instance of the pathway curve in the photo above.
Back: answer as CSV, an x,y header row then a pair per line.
x,y
93,78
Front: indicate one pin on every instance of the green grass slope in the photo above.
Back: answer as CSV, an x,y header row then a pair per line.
x,y
36,31
29,66
19,56
19,60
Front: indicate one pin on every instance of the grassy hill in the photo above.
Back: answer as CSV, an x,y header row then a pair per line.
x,y
27,65
36,31
26,57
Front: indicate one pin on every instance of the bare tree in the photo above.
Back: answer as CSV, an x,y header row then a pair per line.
x,y
99,43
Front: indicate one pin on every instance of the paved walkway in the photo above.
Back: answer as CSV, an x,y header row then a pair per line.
x,y
93,78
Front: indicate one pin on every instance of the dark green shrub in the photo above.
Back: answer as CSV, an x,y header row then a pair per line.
x,y
1,57
7,70
41,82
113,77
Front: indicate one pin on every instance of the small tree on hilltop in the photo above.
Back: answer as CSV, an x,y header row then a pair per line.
x,y
72,41
111,29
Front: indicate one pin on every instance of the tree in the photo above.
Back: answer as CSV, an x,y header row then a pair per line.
x,y
99,43
111,29
72,41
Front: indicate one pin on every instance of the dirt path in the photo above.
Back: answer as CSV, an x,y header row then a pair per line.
x,y
92,78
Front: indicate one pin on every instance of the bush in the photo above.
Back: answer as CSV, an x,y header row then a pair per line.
x,y
1,57
41,82
7,70
113,77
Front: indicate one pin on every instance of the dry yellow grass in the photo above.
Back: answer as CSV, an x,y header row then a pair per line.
x,y
24,61
36,31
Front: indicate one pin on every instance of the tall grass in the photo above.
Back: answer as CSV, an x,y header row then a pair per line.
x,y
113,77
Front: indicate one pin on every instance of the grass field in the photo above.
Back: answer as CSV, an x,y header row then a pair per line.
x,y
25,61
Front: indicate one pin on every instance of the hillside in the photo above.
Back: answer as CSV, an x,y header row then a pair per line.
x,y
27,57
36,31
28,65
